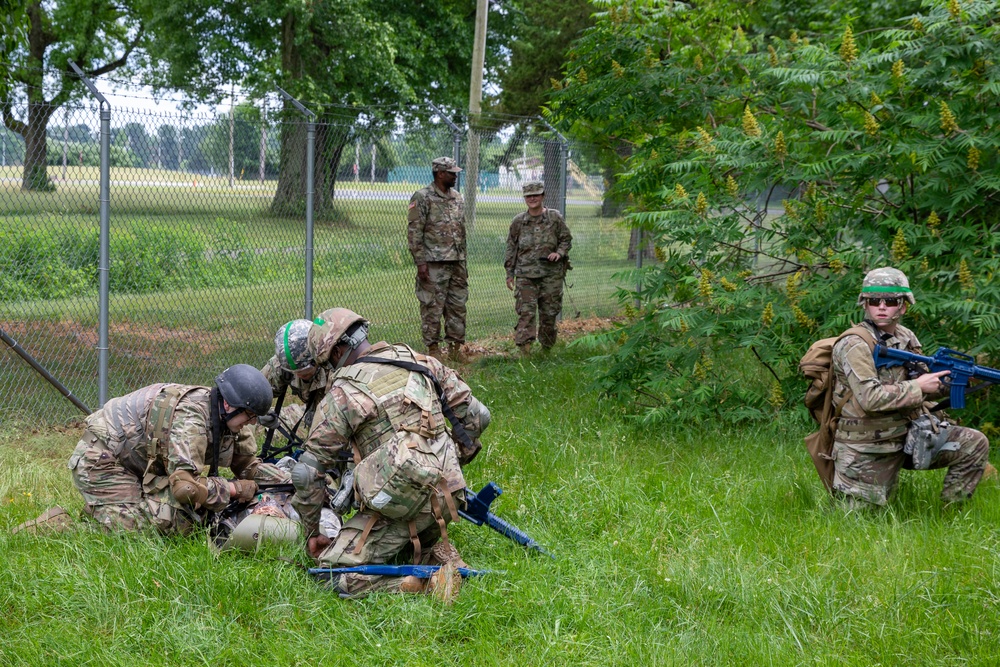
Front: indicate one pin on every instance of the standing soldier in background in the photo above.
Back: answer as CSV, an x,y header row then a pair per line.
x,y
536,261
292,367
436,235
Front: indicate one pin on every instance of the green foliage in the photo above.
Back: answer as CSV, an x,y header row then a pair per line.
x,y
878,164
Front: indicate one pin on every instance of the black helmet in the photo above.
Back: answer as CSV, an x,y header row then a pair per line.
x,y
245,388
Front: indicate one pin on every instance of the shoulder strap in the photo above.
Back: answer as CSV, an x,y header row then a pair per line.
x,y
456,426
866,336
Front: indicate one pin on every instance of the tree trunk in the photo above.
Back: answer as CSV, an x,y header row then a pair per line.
x,y
35,175
648,250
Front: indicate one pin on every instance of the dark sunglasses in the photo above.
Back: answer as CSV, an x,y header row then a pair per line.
x,y
890,302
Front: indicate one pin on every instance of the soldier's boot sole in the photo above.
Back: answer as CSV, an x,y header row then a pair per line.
x,y
53,520
445,584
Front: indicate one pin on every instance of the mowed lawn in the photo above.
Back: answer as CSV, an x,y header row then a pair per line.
x,y
678,545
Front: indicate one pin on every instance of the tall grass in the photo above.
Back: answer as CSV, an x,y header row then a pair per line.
x,y
675,546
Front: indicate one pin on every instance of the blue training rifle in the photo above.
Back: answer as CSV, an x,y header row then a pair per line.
x,y
962,366
418,571
477,511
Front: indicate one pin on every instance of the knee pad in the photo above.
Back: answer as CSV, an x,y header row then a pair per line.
x,y
186,489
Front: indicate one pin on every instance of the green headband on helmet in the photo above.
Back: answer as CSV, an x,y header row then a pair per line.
x,y
288,352
886,288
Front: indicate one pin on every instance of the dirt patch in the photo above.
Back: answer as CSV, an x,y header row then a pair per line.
x,y
134,340
503,344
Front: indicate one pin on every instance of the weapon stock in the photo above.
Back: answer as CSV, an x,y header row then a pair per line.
x,y
478,512
962,366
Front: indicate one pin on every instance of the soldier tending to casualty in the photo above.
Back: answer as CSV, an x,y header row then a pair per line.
x,y
383,407
879,405
140,461
435,232
536,261
292,368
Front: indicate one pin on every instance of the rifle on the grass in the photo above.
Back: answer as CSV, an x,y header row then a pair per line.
x,y
478,512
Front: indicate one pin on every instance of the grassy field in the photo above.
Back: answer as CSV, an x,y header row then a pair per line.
x,y
201,278
674,547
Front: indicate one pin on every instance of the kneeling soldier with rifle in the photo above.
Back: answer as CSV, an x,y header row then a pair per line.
x,y
882,413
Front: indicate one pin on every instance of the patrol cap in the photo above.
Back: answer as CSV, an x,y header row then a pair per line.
x,y
533,188
444,164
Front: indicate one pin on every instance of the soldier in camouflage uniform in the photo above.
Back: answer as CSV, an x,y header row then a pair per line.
x,y
368,406
435,233
140,461
878,404
536,261
292,368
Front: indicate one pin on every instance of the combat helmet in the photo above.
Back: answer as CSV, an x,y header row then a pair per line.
x,y
885,282
291,346
332,327
245,388
258,529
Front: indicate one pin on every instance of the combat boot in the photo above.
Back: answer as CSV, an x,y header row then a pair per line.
x,y
525,349
457,354
53,520
445,552
434,351
445,584
412,584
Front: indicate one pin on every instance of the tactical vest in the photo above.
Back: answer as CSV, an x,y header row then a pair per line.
x,y
396,392
150,454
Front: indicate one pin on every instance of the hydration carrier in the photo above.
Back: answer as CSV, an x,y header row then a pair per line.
x,y
419,463
816,365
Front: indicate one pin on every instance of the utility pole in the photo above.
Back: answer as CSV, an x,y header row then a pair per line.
x,y
475,108
263,140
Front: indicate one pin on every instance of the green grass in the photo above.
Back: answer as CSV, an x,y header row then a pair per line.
x,y
675,547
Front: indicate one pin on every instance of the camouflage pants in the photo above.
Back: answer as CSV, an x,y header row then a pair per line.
x,y
388,542
117,499
541,294
443,295
872,476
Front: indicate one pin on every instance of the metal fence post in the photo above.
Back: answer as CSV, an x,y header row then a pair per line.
x,y
310,172
104,242
564,160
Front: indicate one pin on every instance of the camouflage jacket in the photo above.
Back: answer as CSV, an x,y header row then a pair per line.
x,y
125,423
530,241
311,390
876,416
368,403
435,229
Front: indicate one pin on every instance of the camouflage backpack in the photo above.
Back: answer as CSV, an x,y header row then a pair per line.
x,y
412,468
816,365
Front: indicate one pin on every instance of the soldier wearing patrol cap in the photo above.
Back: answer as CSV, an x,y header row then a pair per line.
x,y
880,405
536,261
436,236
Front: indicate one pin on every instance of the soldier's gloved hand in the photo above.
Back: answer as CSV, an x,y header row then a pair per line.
x,y
423,273
510,283
270,420
242,490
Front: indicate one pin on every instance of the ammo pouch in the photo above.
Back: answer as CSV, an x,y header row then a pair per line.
x,y
926,437
398,479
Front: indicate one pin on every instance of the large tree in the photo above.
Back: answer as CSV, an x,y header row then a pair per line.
x,y
884,148
99,36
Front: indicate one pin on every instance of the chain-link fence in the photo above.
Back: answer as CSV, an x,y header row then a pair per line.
x,y
207,235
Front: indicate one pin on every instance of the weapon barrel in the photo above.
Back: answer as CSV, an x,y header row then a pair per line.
x,y
516,534
419,571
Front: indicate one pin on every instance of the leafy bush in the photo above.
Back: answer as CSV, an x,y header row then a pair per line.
x,y
888,153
